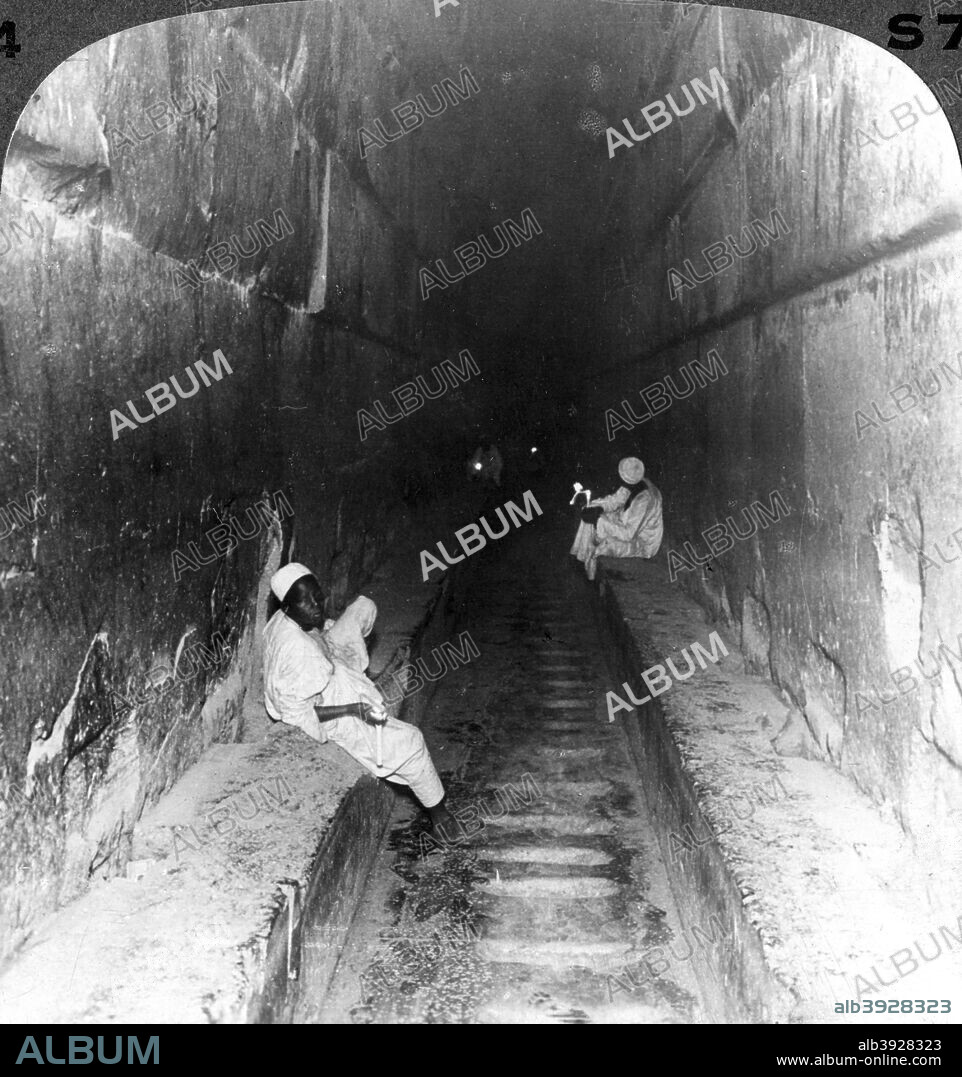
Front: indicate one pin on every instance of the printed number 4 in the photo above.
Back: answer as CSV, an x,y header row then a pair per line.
x,y
9,31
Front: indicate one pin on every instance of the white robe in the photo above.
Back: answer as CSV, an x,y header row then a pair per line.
x,y
633,532
307,669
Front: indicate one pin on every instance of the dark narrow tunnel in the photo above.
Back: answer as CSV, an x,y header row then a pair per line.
x,y
272,276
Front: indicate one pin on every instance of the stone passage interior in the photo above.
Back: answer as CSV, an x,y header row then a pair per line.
x,y
269,275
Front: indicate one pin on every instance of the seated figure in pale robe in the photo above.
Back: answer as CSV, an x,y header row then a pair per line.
x,y
627,523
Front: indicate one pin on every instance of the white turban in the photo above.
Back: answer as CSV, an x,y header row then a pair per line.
x,y
631,470
285,578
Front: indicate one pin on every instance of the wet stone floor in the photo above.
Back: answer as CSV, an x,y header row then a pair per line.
x,y
548,904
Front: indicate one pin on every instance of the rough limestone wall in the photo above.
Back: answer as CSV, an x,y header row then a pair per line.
x,y
814,326
313,326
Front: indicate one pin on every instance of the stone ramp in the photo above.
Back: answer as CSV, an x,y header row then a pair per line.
x,y
198,930
817,890
548,906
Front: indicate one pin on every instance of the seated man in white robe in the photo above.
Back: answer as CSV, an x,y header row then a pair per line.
x,y
314,679
629,521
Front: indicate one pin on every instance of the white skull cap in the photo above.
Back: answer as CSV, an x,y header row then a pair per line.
x,y
631,470
285,578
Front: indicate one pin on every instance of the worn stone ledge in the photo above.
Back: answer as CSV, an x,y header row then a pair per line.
x,y
808,887
198,930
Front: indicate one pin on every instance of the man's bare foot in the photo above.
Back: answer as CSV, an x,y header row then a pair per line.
x,y
444,824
